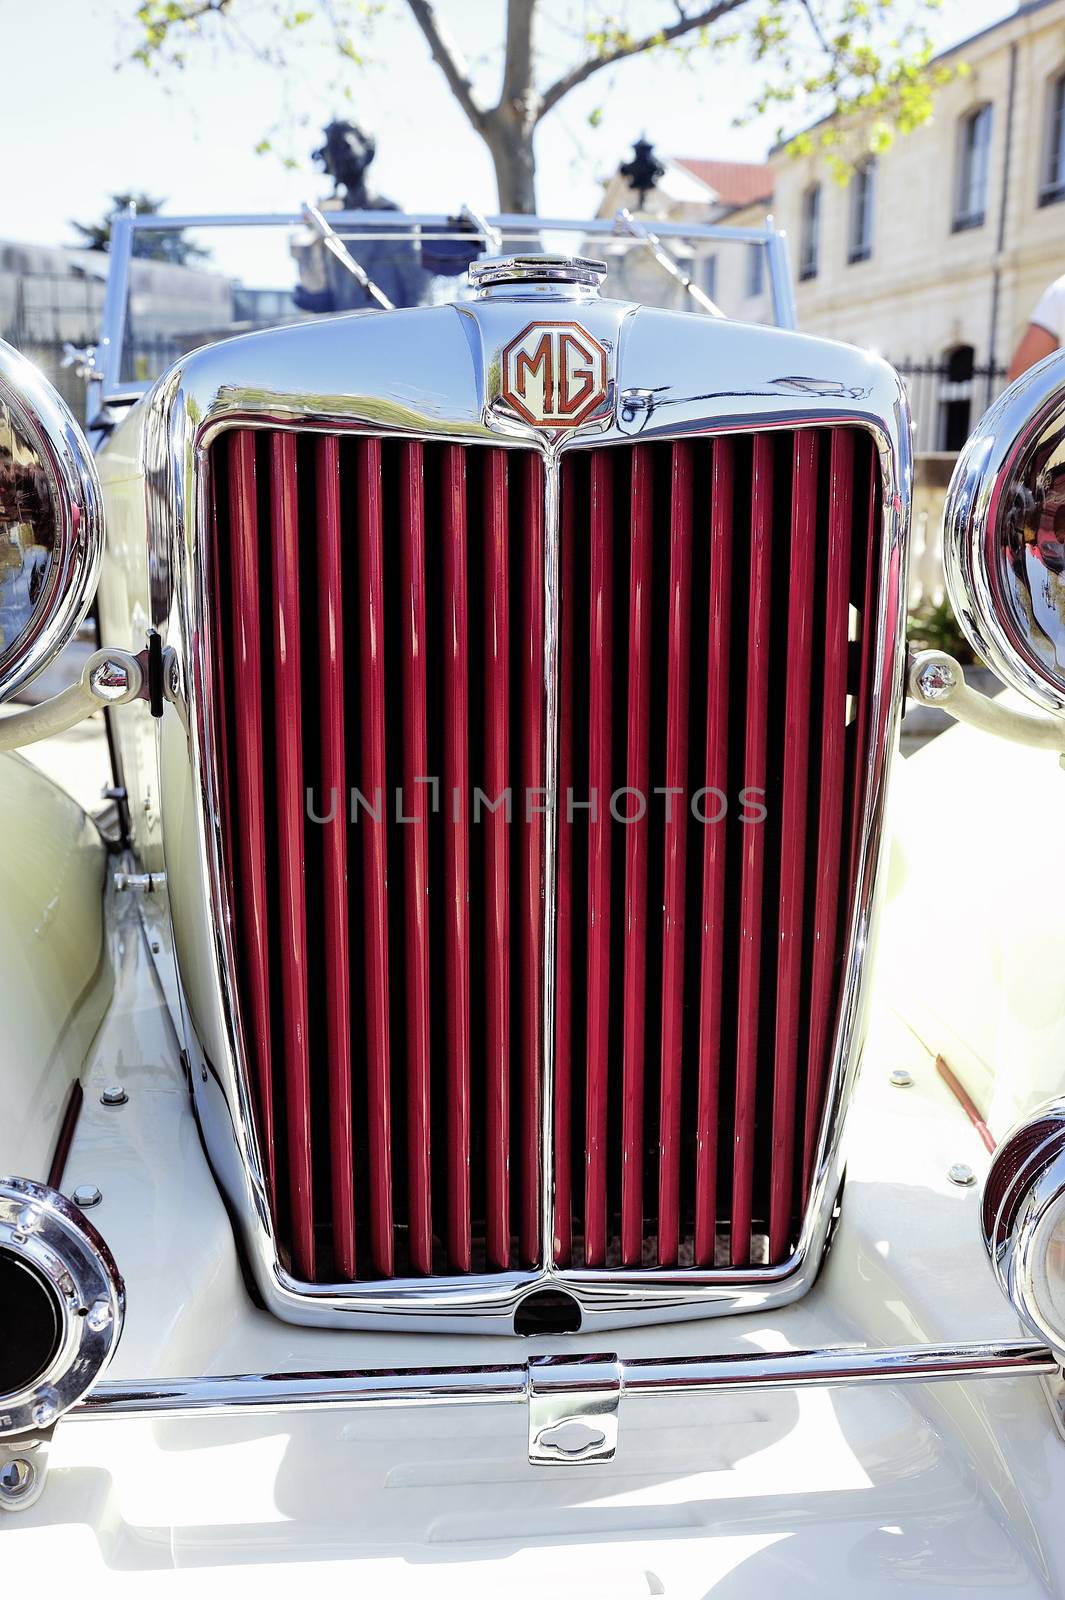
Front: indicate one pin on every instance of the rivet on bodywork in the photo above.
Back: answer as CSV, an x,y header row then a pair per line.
x,y
961,1174
900,1078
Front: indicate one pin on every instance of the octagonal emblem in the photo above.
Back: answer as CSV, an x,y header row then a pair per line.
x,y
554,374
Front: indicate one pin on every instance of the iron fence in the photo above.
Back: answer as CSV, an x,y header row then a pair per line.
x,y
948,396
41,312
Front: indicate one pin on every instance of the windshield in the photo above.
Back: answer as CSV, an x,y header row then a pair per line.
x,y
178,285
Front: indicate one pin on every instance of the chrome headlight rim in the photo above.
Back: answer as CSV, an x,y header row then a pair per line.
x,y
78,501
1023,1202
975,505
48,1235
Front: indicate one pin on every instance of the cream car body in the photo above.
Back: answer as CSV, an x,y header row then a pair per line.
x,y
810,1443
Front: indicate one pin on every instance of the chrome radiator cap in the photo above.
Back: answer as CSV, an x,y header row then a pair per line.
x,y
498,275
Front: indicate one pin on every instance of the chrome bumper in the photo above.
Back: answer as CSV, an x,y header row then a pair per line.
x,y
573,1402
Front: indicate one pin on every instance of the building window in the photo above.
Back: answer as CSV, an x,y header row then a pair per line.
x,y
755,270
810,233
1053,184
863,189
974,151
710,276
956,396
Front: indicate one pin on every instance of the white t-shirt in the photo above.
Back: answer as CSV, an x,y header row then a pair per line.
x,y
1050,311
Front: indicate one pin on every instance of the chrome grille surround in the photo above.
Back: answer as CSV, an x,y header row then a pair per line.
x,y
674,376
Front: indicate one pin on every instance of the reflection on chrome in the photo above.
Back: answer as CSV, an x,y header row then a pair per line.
x,y
1023,1216
28,522
1032,528
1004,536
51,522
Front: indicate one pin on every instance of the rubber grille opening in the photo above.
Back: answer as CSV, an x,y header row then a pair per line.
x,y
29,1316
548,1311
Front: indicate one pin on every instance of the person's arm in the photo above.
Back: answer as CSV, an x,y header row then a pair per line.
x,y
1036,342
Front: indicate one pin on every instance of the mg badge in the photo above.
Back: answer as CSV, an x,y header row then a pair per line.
x,y
554,374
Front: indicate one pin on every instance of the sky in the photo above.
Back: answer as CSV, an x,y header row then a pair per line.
x,y
75,126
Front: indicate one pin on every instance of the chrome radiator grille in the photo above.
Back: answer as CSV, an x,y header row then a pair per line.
x,y
709,595
379,620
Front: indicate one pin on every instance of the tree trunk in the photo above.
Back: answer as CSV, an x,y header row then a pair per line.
x,y
509,137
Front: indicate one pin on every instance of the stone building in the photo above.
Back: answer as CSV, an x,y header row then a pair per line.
x,y
695,191
936,252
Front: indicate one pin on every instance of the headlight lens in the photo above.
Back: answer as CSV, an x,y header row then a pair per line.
x,y
50,523
1004,536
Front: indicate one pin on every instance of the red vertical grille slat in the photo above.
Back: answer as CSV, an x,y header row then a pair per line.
x,y
597,1063
374,788
866,515
792,911
750,974
248,771
832,798
532,836
381,617
288,725
676,839
456,856
637,779
715,780
337,997
415,799
562,1244
497,830
221,670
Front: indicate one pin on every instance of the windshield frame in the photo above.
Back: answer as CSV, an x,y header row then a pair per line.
x,y
106,386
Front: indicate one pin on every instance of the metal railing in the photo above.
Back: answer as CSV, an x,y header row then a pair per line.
x,y
947,401
40,313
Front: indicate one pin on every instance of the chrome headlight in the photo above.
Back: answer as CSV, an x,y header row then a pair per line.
x,y
1004,536
1023,1216
51,522
61,1306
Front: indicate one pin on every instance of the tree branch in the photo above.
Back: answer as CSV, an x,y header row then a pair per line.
x,y
621,52
448,58
517,58
816,26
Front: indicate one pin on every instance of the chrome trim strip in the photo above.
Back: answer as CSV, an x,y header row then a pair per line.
x,y
248,1393
552,583
505,221
237,383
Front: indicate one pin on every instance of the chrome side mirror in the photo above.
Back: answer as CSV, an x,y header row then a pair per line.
x,y
51,523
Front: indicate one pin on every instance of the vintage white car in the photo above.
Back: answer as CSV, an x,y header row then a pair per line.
x,y
511,1104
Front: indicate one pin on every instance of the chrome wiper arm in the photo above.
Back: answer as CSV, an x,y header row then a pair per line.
x,y
625,222
337,248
